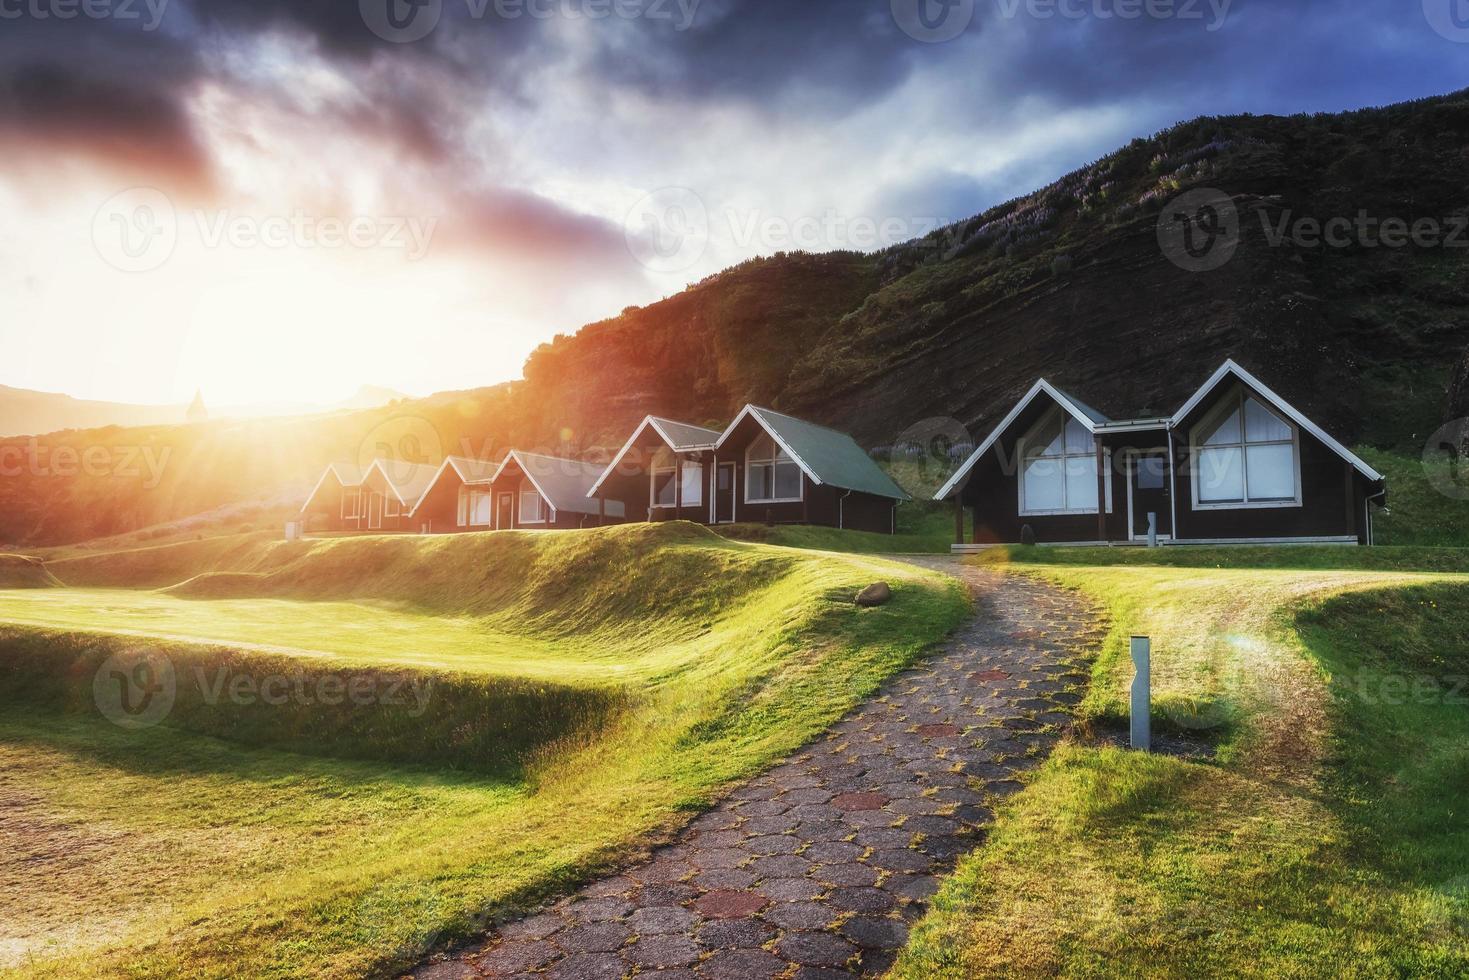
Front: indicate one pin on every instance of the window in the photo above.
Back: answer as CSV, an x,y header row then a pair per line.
x,y
771,476
351,504
532,508
664,478
1245,456
481,508
1058,471
463,512
1152,472
391,507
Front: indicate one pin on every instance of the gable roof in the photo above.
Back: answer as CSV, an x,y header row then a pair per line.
x,y
1097,422
564,483
1230,368
1087,416
828,457
345,473
408,481
678,436
467,469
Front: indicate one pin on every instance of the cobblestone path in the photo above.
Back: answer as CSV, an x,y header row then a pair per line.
x,y
817,867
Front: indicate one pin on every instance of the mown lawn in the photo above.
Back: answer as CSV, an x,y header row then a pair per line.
x,y
1314,832
166,852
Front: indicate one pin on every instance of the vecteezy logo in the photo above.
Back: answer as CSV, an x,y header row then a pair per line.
x,y
135,689
401,443
933,21
1199,231
137,230
668,230
1446,460
401,21
1450,18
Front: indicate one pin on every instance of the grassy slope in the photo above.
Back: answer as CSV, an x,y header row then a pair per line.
x,y
1282,856
393,858
23,572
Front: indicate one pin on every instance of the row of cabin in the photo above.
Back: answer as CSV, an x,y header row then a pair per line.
x,y
764,467
1236,463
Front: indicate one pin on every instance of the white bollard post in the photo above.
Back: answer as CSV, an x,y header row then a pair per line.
x,y
1152,529
1142,694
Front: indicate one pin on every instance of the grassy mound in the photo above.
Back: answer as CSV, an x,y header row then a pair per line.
x,y
626,675
22,572
161,566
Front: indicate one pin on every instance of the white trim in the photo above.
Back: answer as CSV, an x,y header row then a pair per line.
x,y
331,470
1230,367
498,497
1091,454
974,549
545,509
1129,461
1040,386
654,421
1238,399
449,461
381,501
356,494
753,411
773,462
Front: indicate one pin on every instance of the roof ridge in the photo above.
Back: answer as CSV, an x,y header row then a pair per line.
x,y
796,418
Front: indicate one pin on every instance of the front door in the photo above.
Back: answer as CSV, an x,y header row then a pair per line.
x,y
1148,493
505,513
724,494
375,512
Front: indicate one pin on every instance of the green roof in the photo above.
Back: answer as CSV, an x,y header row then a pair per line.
x,y
829,457
681,436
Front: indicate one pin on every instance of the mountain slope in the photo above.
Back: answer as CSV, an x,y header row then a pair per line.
x,y
1069,282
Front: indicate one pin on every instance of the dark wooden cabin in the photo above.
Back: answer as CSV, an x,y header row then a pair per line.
x,y
378,499
765,467
542,493
1236,464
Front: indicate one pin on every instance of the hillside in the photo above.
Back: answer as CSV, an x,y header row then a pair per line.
x,y
1069,283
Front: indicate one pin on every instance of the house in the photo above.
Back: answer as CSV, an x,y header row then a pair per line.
x,y
660,474
765,467
1236,464
533,492
458,498
380,497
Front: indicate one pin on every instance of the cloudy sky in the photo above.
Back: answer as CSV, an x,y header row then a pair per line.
x,y
285,199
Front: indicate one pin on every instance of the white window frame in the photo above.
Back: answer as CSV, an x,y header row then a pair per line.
x,y
478,493
391,506
1026,442
776,458
1236,400
354,494
542,508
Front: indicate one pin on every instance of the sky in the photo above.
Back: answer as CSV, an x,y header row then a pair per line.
x,y
284,200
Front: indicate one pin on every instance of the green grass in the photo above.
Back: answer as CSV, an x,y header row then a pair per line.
x,y
924,528
1419,514
207,857
1318,836
24,572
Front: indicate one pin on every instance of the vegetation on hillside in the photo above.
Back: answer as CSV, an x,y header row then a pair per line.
x,y
944,332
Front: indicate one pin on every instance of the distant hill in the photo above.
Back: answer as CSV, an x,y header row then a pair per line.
x,y
1069,282
24,413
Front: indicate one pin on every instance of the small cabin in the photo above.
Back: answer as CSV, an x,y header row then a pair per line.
x,y
541,493
1235,464
378,499
458,498
764,467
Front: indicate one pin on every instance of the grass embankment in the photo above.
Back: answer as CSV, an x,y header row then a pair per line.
x,y
24,572
163,852
1324,836
924,528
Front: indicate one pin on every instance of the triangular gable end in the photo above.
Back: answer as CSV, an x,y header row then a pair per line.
x,y
1230,368
655,423
751,411
1040,387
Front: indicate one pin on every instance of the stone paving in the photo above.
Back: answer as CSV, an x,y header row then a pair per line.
x,y
817,867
